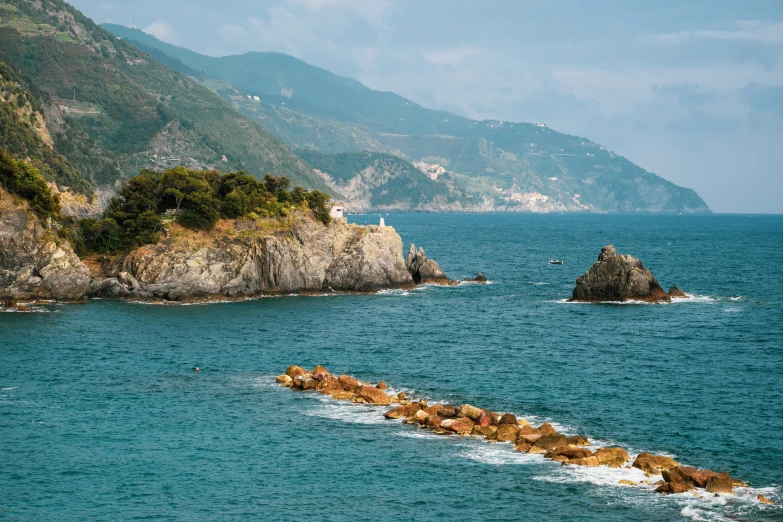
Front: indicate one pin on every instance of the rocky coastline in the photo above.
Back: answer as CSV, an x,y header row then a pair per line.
x,y
662,473
617,278
297,256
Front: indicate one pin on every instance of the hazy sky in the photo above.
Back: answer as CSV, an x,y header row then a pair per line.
x,y
692,91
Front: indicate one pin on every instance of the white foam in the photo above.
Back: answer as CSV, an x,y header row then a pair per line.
x,y
538,283
499,454
348,412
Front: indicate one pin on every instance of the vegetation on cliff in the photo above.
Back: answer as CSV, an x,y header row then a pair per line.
x,y
25,181
196,199
113,109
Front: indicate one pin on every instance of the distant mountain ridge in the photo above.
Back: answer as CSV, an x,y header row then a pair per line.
x,y
112,109
515,166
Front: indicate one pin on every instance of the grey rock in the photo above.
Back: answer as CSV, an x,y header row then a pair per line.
x,y
617,277
424,270
310,257
34,262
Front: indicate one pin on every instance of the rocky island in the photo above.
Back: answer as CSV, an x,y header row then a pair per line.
x,y
617,277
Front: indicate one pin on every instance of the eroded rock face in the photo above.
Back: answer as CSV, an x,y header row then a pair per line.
x,y
617,277
423,270
34,263
308,258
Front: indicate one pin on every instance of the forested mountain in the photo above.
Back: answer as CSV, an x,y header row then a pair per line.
x,y
112,109
516,166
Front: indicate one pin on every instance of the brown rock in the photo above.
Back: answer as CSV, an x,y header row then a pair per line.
x,y
320,376
522,423
507,432
441,431
676,292
284,380
421,416
373,395
483,431
586,461
484,419
402,395
738,483
522,446
327,382
528,438
381,385
627,482
402,411
320,369
720,484
461,425
527,430
764,500
508,418
470,412
546,429
340,395
550,442
295,371
347,382
653,463
559,458
433,422
680,474
578,440
670,488
569,453
535,450
308,383
612,456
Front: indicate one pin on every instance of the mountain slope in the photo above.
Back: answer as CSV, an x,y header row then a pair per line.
x,y
24,133
519,166
135,111
372,181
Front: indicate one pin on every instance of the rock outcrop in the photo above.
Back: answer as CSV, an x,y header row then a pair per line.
x,y
307,257
34,262
424,270
617,277
468,420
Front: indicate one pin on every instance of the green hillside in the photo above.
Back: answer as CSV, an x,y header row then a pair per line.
x,y
24,134
372,181
113,109
518,166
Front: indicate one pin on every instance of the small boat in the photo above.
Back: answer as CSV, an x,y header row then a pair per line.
x,y
555,262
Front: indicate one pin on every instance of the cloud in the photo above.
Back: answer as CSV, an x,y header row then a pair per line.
x,y
753,31
370,10
162,30
232,33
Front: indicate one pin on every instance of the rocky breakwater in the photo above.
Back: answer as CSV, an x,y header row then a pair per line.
x,y
34,262
544,440
618,277
301,256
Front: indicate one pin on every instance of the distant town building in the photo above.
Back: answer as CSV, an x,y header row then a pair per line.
x,y
224,159
432,170
256,98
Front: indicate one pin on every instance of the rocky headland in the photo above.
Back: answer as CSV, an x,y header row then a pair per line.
x,y
665,475
617,277
34,262
237,259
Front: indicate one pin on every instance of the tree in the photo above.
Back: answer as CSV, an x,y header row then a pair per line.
x,y
319,203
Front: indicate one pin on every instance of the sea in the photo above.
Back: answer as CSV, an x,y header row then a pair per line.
x,y
102,416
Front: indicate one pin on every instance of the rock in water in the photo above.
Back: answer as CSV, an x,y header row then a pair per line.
x,y
423,270
34,263
617,277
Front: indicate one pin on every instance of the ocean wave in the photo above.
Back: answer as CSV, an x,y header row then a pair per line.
x,y
539,283
348,412
498,454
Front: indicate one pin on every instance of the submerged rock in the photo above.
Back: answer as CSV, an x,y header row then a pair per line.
x,y
617,277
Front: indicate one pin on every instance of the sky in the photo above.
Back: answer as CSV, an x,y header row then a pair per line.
x,y
689,90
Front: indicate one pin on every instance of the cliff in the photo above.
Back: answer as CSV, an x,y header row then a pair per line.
x,y
34,262
299,256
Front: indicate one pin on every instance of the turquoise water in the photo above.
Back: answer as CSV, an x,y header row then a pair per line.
x,y
103,418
